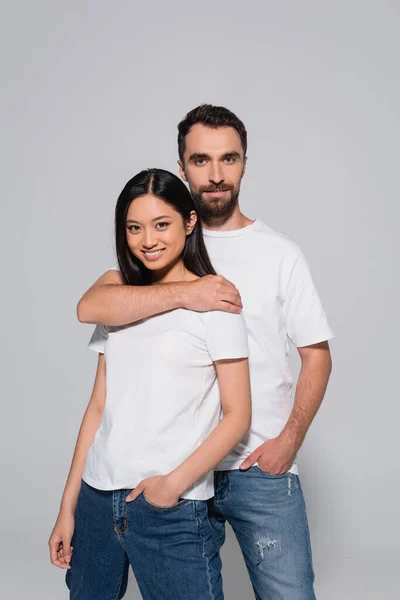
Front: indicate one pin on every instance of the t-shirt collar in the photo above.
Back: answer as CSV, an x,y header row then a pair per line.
x,y
231,233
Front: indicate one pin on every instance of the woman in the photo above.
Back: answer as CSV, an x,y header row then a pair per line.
x,y
142,468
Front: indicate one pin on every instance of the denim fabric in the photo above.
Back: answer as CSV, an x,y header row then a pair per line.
x,y
171,550
267,514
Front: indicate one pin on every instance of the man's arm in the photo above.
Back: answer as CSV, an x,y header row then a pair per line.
x,y
316,367
276,456
111,302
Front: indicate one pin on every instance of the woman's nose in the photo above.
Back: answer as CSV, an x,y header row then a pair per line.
x,y
148,240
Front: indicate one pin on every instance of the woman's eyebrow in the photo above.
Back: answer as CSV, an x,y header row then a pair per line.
x,y
162,217
155,219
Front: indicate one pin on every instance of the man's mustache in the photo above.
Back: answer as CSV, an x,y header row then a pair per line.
x,y
216,188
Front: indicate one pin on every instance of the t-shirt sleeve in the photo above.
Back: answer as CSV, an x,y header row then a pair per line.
x,y
306,321
98,340
114,267
226,335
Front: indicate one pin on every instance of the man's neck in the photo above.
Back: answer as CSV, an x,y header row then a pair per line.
x,y
237,220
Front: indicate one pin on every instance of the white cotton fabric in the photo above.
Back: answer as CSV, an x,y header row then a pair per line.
x,y
162,396
280,305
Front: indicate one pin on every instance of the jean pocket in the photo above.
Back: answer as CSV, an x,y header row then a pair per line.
x,y
181,502
271,475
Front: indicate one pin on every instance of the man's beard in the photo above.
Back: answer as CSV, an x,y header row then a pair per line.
x,y
215,210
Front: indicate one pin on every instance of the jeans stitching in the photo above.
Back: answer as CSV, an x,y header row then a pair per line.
x,y
212,597
113,508
166,508
222,488
308,536
271,475
119,585
117,530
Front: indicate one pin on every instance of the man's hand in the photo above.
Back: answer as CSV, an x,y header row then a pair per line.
x,y
274,456
158,489
213,292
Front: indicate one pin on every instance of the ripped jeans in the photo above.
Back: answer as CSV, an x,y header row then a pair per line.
x,y
267,514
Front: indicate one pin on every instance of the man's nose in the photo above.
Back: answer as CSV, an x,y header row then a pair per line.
x,y
216,176
215,182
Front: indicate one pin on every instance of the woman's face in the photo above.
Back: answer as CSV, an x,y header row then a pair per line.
x,y
156,232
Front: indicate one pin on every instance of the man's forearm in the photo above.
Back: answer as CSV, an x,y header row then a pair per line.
x,y
110,302
117,304
310,391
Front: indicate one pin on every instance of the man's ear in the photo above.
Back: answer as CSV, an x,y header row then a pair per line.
x,y
182,170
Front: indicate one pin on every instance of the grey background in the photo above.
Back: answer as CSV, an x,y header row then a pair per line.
x,y
91,93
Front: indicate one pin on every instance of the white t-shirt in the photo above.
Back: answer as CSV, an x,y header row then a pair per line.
x,y
280,304
162,395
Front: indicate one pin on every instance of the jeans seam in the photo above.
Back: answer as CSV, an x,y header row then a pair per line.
x,y
308,536
118,532
212,597
119,585
179,504
113,509
222,489
272,476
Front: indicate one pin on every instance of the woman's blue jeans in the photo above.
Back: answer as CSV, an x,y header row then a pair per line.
x,y
171,550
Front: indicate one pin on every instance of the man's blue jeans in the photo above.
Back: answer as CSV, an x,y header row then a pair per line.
x,y
267,514
171,550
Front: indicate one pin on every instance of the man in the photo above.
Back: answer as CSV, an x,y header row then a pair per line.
x,y
257,486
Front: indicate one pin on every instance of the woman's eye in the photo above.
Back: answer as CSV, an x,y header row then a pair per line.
x,y
162,224
133,228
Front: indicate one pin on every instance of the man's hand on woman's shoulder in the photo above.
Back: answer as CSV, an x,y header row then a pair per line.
x,y
212,292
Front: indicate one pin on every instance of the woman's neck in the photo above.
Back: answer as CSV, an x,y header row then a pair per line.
x,y
174,272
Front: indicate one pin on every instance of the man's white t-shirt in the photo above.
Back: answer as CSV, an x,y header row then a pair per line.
x,y
280,304
162,395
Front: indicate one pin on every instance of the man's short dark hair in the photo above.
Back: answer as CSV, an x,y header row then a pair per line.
x,y
210,116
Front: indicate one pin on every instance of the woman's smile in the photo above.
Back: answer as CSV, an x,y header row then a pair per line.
x,y
153,254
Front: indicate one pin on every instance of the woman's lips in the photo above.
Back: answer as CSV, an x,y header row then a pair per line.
x,y
153,255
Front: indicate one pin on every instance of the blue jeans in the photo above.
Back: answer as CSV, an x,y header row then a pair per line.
x,y
171,550
267,514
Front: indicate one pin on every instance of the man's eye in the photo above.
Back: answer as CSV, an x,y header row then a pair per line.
x,y
229,159
200,161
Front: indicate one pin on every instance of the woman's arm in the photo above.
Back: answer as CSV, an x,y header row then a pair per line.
x,y
63,530
90,424
234,384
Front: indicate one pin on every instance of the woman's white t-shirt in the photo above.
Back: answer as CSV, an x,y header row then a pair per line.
x,y
162,395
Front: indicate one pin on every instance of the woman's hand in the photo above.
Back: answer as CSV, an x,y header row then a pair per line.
x,y
60,540
160,490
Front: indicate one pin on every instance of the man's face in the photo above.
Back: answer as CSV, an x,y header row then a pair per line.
x,y
213,165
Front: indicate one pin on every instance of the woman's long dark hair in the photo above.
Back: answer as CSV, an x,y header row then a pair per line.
x,y
169,188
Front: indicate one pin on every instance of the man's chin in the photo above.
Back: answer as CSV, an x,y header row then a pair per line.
x,y
210,209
